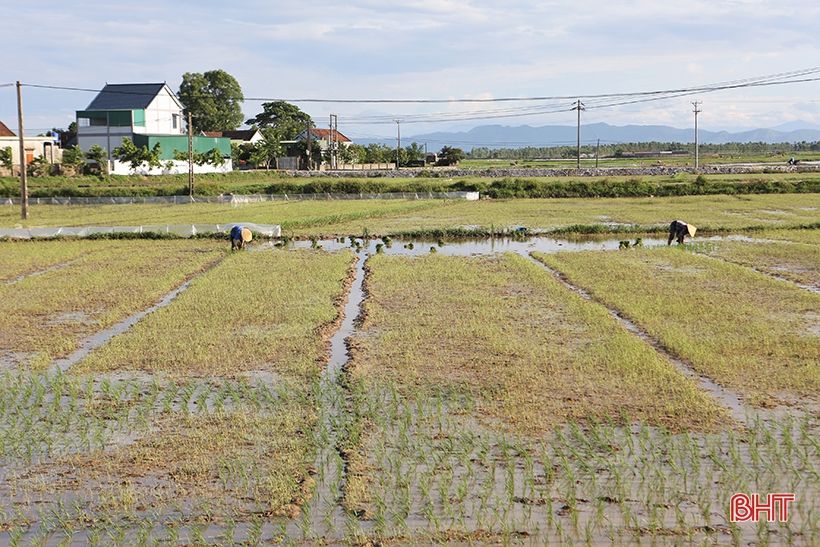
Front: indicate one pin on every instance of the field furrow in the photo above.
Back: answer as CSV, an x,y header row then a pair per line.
x,y
739,327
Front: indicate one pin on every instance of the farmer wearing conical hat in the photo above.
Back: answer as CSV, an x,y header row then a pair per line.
x,y
239,236
678,230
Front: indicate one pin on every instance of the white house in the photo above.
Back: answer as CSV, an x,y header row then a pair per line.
x,y
34,147
324,137
147,114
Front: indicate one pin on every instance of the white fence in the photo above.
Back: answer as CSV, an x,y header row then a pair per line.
x,y
182,230
238,199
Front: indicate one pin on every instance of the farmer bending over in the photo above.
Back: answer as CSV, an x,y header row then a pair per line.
x,y
237,242
678,230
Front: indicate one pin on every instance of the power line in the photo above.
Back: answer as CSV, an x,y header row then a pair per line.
x,y
593,101
732,84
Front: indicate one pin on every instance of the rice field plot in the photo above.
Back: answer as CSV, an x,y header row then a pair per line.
x,y
536,353
19,259
46,316
797,262
797,236
739,327
423,469
490,403
718,212
178,431
252,313
291,215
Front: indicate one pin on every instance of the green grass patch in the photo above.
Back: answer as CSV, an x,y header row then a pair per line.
x,y
740,327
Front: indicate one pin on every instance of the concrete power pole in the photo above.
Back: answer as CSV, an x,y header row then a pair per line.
x,y
398,143
190,156
22,140
307,142
697,111
579,106
597,148
333,141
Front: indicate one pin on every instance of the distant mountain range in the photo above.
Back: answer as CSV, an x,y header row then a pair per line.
x,y
503,136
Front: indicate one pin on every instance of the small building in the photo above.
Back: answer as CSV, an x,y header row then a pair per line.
x,y
35,147
143,113
238,136
324,137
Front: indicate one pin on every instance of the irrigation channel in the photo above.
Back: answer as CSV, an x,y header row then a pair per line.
x,y
326,519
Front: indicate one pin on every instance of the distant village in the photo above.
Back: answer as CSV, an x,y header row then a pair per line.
x,y
142,129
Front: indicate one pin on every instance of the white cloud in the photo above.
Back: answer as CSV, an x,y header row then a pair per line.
x,y
423,49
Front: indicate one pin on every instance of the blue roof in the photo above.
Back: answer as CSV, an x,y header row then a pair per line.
x,y
125,96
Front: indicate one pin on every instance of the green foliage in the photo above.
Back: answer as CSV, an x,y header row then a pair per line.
x,y
5,157
98,156
284,119
135,156
450,156
626,150
212,157
214,100
39,167
74,157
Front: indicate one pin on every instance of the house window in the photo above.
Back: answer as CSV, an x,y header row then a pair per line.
x,y
175,121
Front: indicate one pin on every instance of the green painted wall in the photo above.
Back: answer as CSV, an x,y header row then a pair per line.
x,y
171,143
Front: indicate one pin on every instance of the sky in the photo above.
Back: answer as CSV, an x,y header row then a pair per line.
x,y
435,49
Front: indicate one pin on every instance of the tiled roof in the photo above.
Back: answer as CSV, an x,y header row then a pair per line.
x,y
5,131
125,96
325,134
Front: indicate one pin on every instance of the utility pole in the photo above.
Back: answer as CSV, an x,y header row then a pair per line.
x,y
597,148
398,143
333,138
579,106
307,149
22,140
190,156
697,111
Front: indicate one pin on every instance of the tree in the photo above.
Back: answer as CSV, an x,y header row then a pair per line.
x,y
73,157
214,100
413,154
267,150
6,157
450,156
286,120
97,155
212,156
128,152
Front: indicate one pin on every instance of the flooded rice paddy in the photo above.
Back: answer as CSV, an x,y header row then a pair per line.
x,y
391,463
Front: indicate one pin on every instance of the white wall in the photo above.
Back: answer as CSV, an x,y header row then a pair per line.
x,y
34,144
159,116
177,168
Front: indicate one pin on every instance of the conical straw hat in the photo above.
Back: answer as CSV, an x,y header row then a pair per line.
x,y
692,230
246,235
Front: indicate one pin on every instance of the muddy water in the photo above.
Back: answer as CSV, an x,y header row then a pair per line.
x,y
325,514
476,247
488,246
